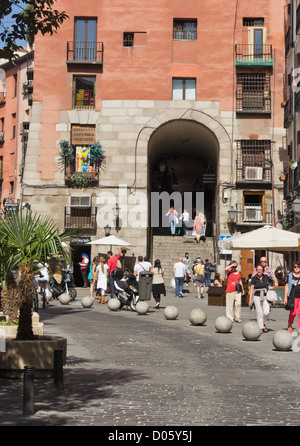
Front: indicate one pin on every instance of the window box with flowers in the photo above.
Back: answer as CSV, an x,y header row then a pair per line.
x,y
81,165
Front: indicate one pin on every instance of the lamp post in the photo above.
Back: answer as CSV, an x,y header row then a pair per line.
x,y
107,230
232,214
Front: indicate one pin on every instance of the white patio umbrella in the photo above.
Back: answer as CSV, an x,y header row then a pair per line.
x,y
267,237
111,241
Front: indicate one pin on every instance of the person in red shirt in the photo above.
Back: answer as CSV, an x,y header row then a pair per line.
x,y
112,266
233,296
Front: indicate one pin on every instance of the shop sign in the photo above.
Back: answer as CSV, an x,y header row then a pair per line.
x,y
83,135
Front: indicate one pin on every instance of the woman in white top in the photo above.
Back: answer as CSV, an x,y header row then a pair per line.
x,y
101,271
158,286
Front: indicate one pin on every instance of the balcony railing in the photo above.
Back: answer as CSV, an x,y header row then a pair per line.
x,y
83,99
253,55
83,218
288,185
288,115
85,52
253,214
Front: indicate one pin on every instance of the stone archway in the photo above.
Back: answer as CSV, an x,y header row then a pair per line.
x,y
183,156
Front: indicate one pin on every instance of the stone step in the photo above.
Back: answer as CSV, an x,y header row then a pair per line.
x,y
169,248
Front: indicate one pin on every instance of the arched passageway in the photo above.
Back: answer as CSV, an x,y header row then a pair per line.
x,y
183,157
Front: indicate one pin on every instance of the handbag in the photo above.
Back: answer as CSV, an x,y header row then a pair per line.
x,y
119,264
271,296
172,283
238,288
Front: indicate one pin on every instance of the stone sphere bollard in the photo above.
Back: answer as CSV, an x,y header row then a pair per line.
x,y
223,324
87,302
114,304
142,307
251,331
64,299
198,316
171,312
283,340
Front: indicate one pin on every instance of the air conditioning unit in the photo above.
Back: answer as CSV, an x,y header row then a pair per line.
x,y
253,173
253,213
1,136
80,201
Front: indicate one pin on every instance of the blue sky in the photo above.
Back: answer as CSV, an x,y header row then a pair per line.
x,y
8,21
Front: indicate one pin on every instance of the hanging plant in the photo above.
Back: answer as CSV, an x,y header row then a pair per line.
x,y
66,154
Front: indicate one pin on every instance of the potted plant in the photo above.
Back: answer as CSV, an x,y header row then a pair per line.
x,y
66,156
25,240
97,155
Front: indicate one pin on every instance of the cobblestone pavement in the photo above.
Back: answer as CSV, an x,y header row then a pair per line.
x,y
125,369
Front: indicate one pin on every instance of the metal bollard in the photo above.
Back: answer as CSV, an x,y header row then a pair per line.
x,y
28,390
58,369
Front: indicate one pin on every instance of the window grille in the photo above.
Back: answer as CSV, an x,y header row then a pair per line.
x,y
253,93
185,30
254,163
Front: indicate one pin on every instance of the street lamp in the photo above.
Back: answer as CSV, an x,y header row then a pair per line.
x,y
232,214
107,230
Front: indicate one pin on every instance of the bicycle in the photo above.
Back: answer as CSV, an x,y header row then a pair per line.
x,y
42,284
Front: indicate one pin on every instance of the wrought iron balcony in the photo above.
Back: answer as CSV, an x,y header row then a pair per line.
x,y
80,217
84,52
288,115
253,214
253,55
288,185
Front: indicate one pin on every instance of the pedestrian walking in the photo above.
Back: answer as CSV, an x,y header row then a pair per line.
x,y
101,274
158,284
197,228
179,272
187,263
267,270
292,295
112,266
258,295
199,279
84,269
208,269
234,291
173,219
185,218
139,267
92,275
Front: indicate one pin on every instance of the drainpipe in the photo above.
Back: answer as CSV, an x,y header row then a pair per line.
x,y
294,37
17,135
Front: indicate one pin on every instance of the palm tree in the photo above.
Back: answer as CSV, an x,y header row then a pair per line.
x,y
26,240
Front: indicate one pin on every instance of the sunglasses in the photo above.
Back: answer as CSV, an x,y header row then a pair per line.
x,y
296,266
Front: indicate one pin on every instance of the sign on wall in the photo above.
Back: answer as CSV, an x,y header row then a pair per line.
x,y
83,135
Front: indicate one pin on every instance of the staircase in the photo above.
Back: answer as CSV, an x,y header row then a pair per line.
x,y
168,249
